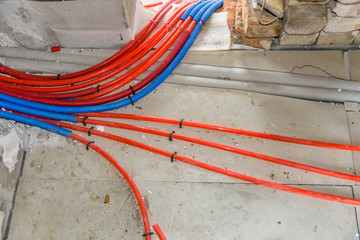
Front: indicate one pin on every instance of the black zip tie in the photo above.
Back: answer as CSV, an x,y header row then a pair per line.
x,y
87,145
132,89
170,136
181,122
148,234
89,132
58,76
132,102
97,88
172,157
84,118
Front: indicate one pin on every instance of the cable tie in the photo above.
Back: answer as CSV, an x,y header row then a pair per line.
x,y
172,157
167,27
132,102
132,90
58,76
181,122
153,21
147,234
83,121
88,144
98,88
89,132
170,136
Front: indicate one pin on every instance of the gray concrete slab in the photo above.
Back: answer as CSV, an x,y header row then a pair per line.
x,y
63,182
74,209
354,123
238,211
356,190
352,106
354,64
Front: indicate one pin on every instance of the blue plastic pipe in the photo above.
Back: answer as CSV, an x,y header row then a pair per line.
x,y
37,112
190,9
35,122
203,15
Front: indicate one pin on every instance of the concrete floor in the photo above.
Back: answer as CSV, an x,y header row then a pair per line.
x,y
62,189
61,193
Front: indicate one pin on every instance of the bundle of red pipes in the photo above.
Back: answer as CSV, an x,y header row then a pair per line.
x,y
51,101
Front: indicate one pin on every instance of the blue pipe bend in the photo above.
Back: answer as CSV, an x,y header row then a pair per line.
x,y
189,10
53,112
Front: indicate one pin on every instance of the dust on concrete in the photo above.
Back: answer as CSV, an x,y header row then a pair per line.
x,y
10,143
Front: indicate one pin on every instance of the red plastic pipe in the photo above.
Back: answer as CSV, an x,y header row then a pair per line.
x,y
113,97
215,168
126,176
116,96
226,129
104,77
159,233
203,165
152,4
139,69
222,147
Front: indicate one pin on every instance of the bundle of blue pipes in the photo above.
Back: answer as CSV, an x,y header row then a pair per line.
x,y
54,102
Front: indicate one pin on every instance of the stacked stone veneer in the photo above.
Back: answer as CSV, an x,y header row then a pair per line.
x,y
318,22
304,23
246,28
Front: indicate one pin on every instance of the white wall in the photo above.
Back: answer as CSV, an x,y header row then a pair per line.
x,y
72,24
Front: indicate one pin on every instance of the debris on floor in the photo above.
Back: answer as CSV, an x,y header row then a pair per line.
x,y
10,145
107,198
